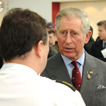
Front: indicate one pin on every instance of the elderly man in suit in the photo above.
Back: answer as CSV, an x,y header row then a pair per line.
x,y
72,30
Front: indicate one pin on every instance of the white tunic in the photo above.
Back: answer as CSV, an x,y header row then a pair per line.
x,y
21,86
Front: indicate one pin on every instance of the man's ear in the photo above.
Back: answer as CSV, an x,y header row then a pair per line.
x,y
38,48
88,35
56,33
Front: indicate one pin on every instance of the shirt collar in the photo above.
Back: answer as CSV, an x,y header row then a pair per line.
x,y
68,61
18,68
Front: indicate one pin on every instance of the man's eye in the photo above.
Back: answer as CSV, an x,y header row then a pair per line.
x,y
63,32
74,33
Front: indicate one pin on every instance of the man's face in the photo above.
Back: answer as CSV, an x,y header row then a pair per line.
x,y
102,33
52,39
70,37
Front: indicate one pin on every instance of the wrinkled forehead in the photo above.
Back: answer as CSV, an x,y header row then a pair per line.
x,y
68,17
69,21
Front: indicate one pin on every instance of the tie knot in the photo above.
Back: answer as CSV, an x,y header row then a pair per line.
x,y
74,63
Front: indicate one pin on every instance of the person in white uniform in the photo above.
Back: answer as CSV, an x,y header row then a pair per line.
x,y
24,46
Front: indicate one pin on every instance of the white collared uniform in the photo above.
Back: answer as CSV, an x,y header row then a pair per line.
x,y
21,86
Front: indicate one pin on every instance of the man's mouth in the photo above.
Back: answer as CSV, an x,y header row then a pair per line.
x,y
69,49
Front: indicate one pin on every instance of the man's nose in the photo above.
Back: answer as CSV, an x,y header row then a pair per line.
x,y
68,38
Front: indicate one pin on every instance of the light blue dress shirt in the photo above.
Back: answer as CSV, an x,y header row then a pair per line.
x,y
69,65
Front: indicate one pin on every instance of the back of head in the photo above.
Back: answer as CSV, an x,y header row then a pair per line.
x,y
20,31
102,23
67,12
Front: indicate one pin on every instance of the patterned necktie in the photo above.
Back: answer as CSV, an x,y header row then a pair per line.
x,y
76,76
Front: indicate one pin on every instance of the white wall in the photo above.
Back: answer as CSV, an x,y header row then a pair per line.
x,y
96,12
42,7
4,11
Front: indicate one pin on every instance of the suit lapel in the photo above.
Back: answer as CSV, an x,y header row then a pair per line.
x,y
89,79
99,45
62,72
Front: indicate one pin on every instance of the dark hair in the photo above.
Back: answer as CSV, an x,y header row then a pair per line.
x,y
20,31
102,23
51,31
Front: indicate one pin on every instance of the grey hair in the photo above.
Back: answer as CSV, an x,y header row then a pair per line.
x,y
73,12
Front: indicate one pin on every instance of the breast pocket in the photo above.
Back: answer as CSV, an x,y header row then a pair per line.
x,y
100,97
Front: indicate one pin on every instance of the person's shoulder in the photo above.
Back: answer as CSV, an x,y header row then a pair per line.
x,y
67,84
68,90
57,83
96,62
54,58
96,45
98,42
62,91
93,59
